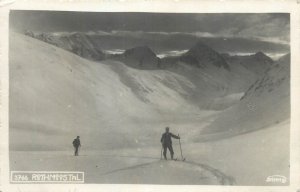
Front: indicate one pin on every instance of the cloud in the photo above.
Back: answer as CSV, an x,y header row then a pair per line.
x,y
228,33
274,27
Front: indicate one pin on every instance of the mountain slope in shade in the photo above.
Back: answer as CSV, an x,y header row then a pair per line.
x,y
201,55
267,102
276,75
257,63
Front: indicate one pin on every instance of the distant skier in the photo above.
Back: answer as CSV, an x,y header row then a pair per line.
x,y
166,142
76,144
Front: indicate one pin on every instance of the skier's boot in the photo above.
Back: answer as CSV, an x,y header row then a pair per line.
x,y
165,157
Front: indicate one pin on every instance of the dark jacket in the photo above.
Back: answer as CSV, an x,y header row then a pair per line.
x,y
166,138
76,142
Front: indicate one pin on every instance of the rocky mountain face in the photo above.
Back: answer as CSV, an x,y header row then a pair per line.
x,y
257,63
77,43
276,76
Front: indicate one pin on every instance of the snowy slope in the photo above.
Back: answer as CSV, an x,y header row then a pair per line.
x,y
121,167
243,160
265,103
249,158
56,95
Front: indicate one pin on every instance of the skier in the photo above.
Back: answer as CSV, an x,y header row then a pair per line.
x,y
166,142
76,144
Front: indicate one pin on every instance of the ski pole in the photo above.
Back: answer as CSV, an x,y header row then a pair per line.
x,y
180,149
161,153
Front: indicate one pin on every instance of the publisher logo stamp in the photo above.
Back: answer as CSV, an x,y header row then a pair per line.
x,y
276,179
46,177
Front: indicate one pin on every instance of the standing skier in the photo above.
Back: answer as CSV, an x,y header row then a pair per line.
x,y
166,142
76,144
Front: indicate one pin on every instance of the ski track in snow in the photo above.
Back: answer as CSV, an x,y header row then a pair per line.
x,y
221,177
204,172
131,167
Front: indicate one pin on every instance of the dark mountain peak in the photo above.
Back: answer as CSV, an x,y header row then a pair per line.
x,y
201,55
199,48
262,56
141,57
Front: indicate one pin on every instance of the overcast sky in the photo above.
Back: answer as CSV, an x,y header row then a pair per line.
x,y
271,27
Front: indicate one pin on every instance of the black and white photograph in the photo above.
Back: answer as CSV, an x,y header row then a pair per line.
x,y
150,97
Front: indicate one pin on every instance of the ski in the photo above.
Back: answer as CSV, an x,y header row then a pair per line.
x,y
175,159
